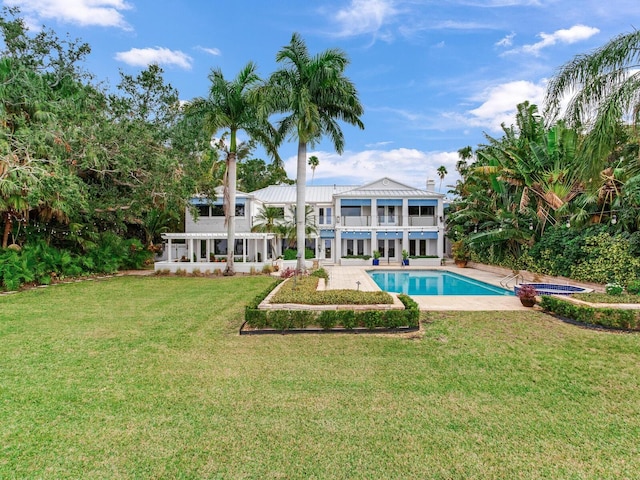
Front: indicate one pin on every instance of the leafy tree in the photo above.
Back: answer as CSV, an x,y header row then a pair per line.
x,y
313,93
255,173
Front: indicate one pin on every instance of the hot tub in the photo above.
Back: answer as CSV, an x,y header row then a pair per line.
x,y
554,289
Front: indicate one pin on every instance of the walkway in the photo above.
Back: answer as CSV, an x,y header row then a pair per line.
x,y
348,277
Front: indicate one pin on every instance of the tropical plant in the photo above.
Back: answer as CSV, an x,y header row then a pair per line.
x,y
313,163
270,220
233,106
313,93
442,172
289,227
604,90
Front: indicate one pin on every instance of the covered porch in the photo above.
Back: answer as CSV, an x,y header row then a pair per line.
x,y
208,252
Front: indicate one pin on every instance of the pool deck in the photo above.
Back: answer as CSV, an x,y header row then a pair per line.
x,y
347,277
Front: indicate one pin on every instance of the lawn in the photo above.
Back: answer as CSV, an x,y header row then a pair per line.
x,y
148,378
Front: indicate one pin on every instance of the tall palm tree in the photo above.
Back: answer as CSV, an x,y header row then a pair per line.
x,y
313,163
442,172
314,94
233,106
607,86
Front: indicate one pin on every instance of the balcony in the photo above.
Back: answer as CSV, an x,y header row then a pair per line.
x,y
390,220
353,221
422,221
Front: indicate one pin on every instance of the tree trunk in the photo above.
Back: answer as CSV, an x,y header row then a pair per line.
x,y
301,180
230,210
8,224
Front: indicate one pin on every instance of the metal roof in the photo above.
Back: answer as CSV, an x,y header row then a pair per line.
x,y
280,194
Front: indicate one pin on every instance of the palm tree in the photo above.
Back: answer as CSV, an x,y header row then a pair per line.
x,y
442,172
269,220
607,82
233,106
289,227
313,93
313,163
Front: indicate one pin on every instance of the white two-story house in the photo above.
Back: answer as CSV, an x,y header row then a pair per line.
x,y
351,221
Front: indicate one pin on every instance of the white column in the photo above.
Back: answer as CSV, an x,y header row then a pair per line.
x,y
439,215
169,257
191,250
208,250
405,212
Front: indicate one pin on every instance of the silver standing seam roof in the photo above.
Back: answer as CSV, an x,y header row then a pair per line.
x,y
285,194
280,194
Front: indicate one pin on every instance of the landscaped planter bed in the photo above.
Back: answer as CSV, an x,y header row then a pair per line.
x,y
262,315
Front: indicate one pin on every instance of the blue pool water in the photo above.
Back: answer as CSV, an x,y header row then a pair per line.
x,y
432,282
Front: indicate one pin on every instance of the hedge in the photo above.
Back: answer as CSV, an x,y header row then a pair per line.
x,y
603,316
328,319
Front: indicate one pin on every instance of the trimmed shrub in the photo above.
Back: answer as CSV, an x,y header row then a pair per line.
x,y
280,319
371,319
255,318
328,319
633,287
302,318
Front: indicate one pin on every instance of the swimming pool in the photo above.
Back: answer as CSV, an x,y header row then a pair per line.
x,y
432,282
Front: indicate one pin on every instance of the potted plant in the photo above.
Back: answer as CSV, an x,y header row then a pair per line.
x,y
405,257
376,257
527,294
460,253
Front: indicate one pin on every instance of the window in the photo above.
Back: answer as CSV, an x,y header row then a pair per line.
x,y
418,247
324,216
203,210
387,214
422,211
350,211
218,210
220,247
355,247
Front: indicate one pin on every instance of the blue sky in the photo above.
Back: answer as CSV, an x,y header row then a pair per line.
x,y
432,75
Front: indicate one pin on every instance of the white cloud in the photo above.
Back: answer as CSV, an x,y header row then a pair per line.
x,y
211,51
507,41
499,104
409,166
574,34
141,57
102,13
364,17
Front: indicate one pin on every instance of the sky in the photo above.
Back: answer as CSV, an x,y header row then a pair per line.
x,y
433,76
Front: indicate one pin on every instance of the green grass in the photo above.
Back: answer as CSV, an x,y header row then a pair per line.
x,y
148,378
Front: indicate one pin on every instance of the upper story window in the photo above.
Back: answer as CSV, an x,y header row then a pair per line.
x,y
324,216
203,210
218,210
422,211
350,211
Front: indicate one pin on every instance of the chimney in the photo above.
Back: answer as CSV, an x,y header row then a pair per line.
x,y
431,185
